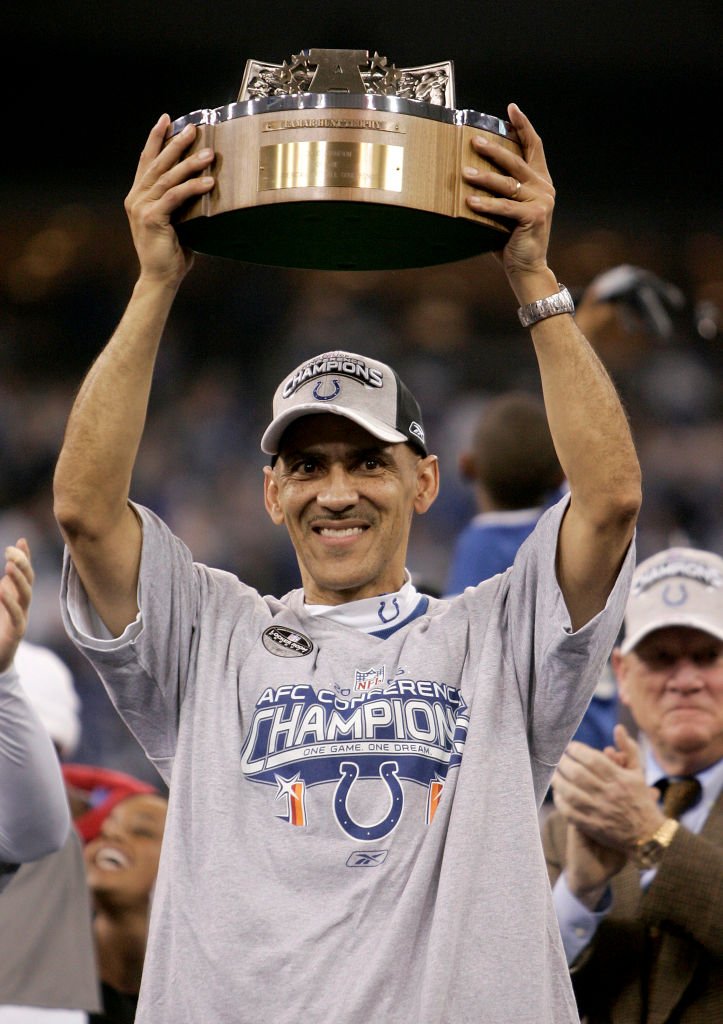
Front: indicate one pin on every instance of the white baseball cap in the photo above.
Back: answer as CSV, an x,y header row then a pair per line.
x,y
346,384
676,587
48,683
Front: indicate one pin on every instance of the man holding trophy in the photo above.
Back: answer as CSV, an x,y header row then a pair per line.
x,y
355,769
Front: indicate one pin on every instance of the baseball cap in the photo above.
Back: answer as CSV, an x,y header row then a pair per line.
x,y
346,384
676,587
48,683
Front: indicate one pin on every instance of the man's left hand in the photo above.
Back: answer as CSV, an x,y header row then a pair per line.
x,y
519,189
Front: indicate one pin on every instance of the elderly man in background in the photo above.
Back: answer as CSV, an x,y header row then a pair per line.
x,y
635,849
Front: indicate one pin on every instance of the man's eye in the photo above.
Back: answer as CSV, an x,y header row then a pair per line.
x,y
662,660
658,660
704,659
371,463
304,466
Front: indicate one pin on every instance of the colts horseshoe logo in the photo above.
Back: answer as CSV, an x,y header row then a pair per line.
x,y
393,615
675,595
320,396
349,772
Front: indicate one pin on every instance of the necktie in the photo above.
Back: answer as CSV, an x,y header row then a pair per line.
x,y
679,795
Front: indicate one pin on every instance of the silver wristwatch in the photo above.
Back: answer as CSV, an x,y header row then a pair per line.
x,y
553,305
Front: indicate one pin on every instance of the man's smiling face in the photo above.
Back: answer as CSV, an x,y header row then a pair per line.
x,y
347,500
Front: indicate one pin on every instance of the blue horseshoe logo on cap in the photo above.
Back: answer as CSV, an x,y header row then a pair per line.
x,y
349,772
317,393
669,591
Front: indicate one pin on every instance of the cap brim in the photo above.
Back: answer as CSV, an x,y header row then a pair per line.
x,y
691,621
272,435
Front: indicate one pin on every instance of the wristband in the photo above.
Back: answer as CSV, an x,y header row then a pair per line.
x,y
553,305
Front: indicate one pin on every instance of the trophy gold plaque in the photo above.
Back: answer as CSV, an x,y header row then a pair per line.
x,y
334,160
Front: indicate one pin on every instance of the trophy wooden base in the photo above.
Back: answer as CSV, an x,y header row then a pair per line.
x,y
340,183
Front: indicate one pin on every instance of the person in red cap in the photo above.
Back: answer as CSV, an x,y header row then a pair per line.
x,y
635,849
93,792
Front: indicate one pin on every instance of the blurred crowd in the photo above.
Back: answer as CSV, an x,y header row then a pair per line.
x,y
451,331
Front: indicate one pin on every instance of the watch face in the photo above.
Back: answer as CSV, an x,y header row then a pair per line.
x,y
650,854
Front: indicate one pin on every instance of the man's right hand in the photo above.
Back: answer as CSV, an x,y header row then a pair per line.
x,y
164,181
105,426
589,866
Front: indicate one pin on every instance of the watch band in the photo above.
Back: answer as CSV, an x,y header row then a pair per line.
x,y
553,305
648,852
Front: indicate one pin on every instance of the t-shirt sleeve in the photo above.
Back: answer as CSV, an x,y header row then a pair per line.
x,y
557,668
146,669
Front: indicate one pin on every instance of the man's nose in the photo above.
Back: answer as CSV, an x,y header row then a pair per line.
x,y
338,490
685,676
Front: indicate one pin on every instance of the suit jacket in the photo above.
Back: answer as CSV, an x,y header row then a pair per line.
x,y
657,958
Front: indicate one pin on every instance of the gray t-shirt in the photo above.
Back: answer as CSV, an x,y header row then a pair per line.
x,y
353,831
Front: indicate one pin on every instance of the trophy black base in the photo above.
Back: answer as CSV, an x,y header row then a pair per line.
x,y
333,235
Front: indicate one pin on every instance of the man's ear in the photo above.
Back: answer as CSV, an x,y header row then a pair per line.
x,y
619,667
427,483
271,497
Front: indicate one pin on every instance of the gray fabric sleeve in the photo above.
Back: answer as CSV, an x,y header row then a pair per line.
x,y
557,669
34,813
149,663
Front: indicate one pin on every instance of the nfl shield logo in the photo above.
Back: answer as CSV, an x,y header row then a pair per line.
x,y
372,679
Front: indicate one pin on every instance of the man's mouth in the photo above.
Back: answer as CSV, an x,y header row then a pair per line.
x,y
339,531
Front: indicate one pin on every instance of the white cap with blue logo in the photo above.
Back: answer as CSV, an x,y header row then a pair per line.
x,y
346,384
676,587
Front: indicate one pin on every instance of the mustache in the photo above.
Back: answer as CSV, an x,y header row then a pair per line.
x,y
359,514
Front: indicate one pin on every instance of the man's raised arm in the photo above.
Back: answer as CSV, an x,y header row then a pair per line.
x,y
95,465
588,424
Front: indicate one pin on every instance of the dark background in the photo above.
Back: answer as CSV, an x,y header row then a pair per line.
x,y
626,95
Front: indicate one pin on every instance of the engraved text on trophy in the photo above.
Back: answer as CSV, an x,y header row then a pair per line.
x,y
319,164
